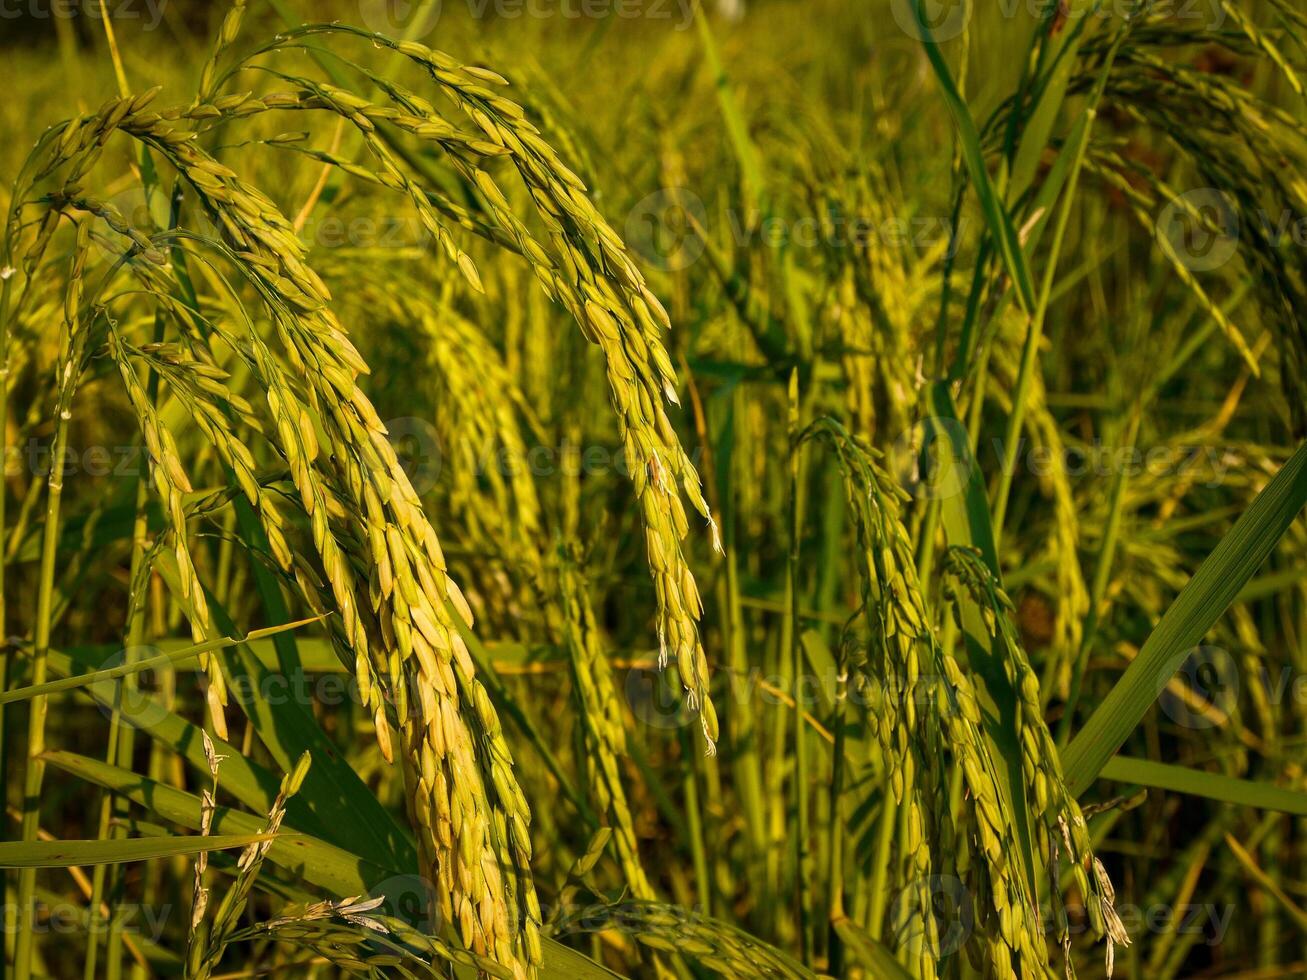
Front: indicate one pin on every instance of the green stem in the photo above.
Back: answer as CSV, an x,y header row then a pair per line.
x,y
1030,349
801,842
835,865
880,865
120,736
31,803
1102,575
7,274
694,824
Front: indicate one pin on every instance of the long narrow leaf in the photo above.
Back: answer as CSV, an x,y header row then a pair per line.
x,y
867,951
140,666
84,853
996,215
1211,785
328,867
1196,609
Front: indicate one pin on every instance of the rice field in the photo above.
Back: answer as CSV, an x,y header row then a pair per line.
x,y
664,489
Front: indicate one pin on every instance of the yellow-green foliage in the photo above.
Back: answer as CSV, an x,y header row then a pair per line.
x,y
653,487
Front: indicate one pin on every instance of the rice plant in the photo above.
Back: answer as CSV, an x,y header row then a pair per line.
x,y
654,490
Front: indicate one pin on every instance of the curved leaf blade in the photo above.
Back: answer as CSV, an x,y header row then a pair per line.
x,y
1201,602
